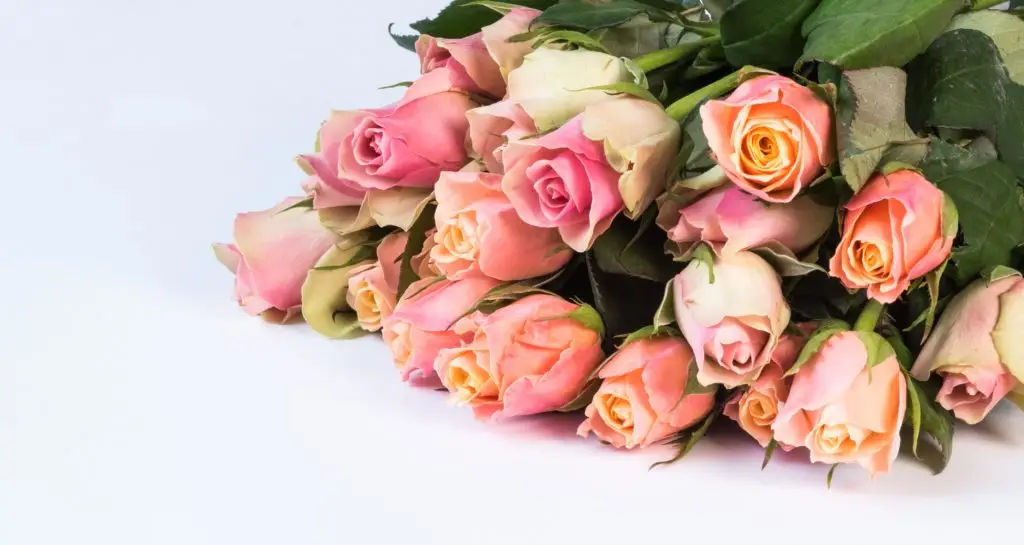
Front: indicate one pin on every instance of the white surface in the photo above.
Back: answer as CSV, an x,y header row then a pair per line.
x,y
139,405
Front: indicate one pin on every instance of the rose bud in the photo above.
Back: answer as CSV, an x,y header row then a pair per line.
x,y
977,347
324,184
407,144
734,220
421,263
897,229
641,400
772,136
419,327
841,410
734,323
544,93
473,61
617,154
325,291
756,408
273,251
479,233
372,289
527,358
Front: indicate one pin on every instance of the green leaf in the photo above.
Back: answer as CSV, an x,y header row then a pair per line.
x,y
878,348
871,119
392,86
625,302
304,203
406,41
967,80
903,354
624,88
768,452
765,32
583,399
588,317
999,272
650,332
826,329
704,254
933,280
413,246
631,248
855,34
828,478
931,421
785,263
666,314
990,205
693,386
579,15
570,37
687,442
461,18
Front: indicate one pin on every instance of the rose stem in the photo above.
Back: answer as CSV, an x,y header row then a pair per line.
x,y
979,5
868,319
680,108
664,57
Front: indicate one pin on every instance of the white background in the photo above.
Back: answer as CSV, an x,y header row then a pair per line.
x,y
139,405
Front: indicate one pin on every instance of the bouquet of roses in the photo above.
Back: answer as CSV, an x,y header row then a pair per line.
x,y
804,215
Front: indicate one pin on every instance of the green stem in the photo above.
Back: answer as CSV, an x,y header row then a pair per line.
x,y
979,5
664,57
682,107
868,319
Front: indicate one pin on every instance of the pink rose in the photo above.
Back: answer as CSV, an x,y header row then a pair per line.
x,y
841,410
407,144
419,327
641,400
372,289
772,136
756,408
526,358
273,251
324,183
473,61
543,93
615,155
897,229
733,220
479,233
978,348
733,323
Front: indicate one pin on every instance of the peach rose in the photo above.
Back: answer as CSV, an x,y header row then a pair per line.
x,y
641,399
543,93
733,323
273,251
734,220
615,155
473,61
421,263
372,289
479,232
756,408
527,358
977,347
407,144
419,328
842,410
897,229
772,136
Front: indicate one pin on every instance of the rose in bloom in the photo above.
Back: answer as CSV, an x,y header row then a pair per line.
x,y
477,63
273,251
324,183
734,322
523,359
419,328
772,136
479,232
841,410
756,408
372,289
897,229
407,144
617,154
642,400
977,347
543,93
733,220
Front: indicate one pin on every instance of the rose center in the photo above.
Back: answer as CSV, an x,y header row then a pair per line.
x,y
458,237
761,409
765,150
835,439
370,145
467,379
871,259
368,304
618,412
401,345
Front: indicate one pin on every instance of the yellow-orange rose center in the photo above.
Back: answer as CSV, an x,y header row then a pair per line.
x,y
468,380
767,150
368,304
835,440
617,412
401,344
760,408
872,260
